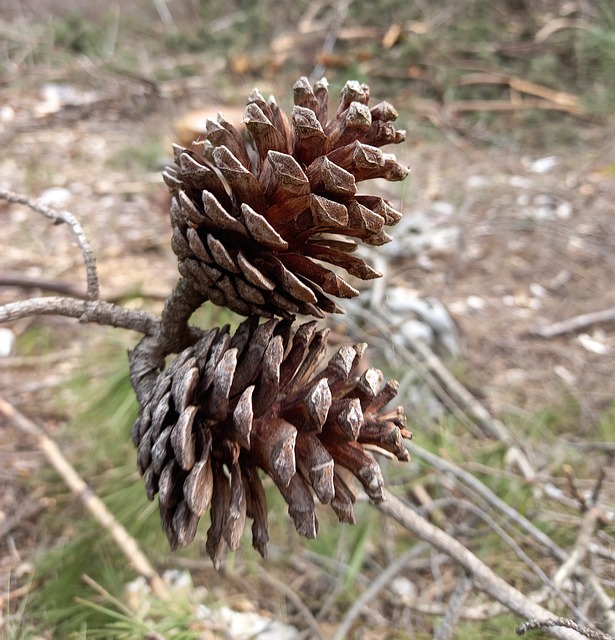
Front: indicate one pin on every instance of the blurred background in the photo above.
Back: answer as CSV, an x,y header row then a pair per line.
x,y
507,229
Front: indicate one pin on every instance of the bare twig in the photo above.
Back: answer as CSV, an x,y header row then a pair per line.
x,y
559,99
54,286
20,592
27,512
294,598
580,548
455,606
557,24
482,576
562,622
457,472
490,424
382,581
511,542
96,311
603,601
575,323
125,542
59,217
337,23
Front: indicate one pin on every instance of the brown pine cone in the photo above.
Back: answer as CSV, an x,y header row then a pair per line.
x,y
255,225
231,405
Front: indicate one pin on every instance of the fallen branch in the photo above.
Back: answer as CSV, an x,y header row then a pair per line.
x,y
125,542
53,286
482,576
464,106
576,323
551,585
580,548
561,99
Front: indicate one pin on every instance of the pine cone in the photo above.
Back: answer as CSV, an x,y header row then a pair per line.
x,y
231,405
255,225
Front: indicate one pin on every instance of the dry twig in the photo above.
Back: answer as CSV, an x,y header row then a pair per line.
x,y
562,622
482,576
59,217
455,606
382,581
576,323
125,542
489,496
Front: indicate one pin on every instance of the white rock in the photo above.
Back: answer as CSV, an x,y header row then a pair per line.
x,y
593,345
241,625
7,342
442,208
57,197
476,303
538,291
564,210
413,331
477,182
458,307
7,113
404,588
565,374
522,183
542,165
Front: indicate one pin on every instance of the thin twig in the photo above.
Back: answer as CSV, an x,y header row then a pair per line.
x,y
576,323
59,217
580,548
125,542
382,581
294,598
337,23
455,606
495,501
53,286
603,601
511,542
562,622
483,577
96,311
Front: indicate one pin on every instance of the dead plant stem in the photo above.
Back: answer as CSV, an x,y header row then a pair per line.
x,y
125,542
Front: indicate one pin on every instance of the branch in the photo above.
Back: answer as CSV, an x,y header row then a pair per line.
x,y
489,496
585,632
575,323
580,548
59,217
126,543
553,586
53,286
455,607
482,576
382,581
86,311
174,335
